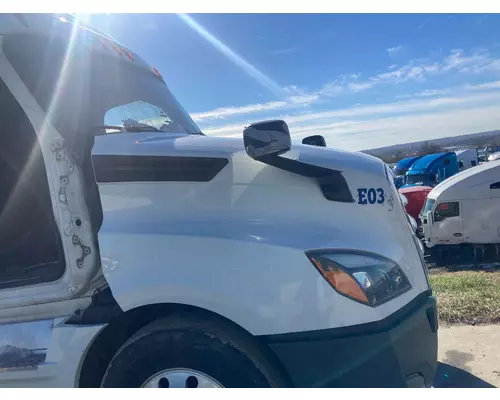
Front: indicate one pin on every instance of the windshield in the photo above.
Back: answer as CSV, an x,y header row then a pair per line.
x,y
400,171
428,206
416,179
94,88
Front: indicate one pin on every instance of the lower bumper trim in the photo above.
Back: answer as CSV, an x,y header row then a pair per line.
x,y
401,354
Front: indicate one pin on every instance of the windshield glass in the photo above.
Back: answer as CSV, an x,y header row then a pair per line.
x,y
415,179
91,88
400,171
428,206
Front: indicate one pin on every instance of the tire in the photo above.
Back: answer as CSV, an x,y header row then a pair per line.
x,y
206,344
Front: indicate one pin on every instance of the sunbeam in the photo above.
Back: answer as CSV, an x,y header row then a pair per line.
x,y
24,176
248,68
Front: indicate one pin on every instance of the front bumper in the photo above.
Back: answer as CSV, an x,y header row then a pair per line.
x,y
400,351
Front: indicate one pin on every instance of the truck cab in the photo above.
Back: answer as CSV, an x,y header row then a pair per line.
x,y
401,168
432,169
488,150
138,252
467,158
461,218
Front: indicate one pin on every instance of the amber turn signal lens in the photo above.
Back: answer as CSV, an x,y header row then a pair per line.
x,y
342,282
367,278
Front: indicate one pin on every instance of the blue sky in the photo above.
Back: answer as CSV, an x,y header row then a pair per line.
x,y
360,80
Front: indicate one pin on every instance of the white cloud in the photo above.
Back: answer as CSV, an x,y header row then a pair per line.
x,y
363,127
431,93
331,89
231,111
297,98
359,87
397,107
456,61
388,131
226,130
393,51
484,86
419,70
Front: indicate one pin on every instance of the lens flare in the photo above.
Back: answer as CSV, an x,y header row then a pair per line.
x,y
27,170
235,58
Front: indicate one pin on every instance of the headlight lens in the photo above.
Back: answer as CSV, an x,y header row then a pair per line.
x,y
364,277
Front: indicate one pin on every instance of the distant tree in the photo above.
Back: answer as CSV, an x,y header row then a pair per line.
x,y
398,155
429,148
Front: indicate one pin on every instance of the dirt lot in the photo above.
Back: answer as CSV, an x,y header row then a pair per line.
x,y
469,356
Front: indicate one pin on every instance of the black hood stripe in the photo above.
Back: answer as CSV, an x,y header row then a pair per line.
x,y
126,168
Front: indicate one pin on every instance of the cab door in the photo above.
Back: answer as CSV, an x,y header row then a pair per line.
x,y
61,159
45,273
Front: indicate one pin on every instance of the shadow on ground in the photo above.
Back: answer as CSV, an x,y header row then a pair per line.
x,y
448,376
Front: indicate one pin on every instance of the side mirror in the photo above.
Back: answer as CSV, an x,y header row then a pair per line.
x,y
429,218
267,138
316,140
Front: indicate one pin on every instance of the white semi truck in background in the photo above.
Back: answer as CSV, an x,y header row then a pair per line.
x,y
467,158
146,254
461,217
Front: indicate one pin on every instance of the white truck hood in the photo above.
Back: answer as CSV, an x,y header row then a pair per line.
x,y
179,145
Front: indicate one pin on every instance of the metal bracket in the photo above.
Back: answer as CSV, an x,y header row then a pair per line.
x,y
85,251
62,189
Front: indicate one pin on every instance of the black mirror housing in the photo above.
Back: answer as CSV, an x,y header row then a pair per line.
x,y
267,138
316,140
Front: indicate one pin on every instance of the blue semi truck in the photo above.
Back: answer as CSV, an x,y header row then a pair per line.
x,y
401,169
432,169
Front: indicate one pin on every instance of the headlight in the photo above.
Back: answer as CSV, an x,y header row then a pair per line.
x,y
364,277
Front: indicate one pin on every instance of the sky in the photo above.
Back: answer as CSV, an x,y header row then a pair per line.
x,y
362,81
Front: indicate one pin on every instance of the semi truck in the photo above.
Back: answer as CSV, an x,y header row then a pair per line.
x,y
431,169
401,168
138,252
461,217
467,158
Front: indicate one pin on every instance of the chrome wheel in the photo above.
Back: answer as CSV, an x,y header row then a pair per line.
x,y
181,378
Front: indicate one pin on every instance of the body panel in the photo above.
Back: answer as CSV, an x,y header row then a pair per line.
x,y
47,353
234,246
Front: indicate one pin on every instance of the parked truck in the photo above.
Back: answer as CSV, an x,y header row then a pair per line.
x,y
432,169
401,168
467,158
461,218
147,254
